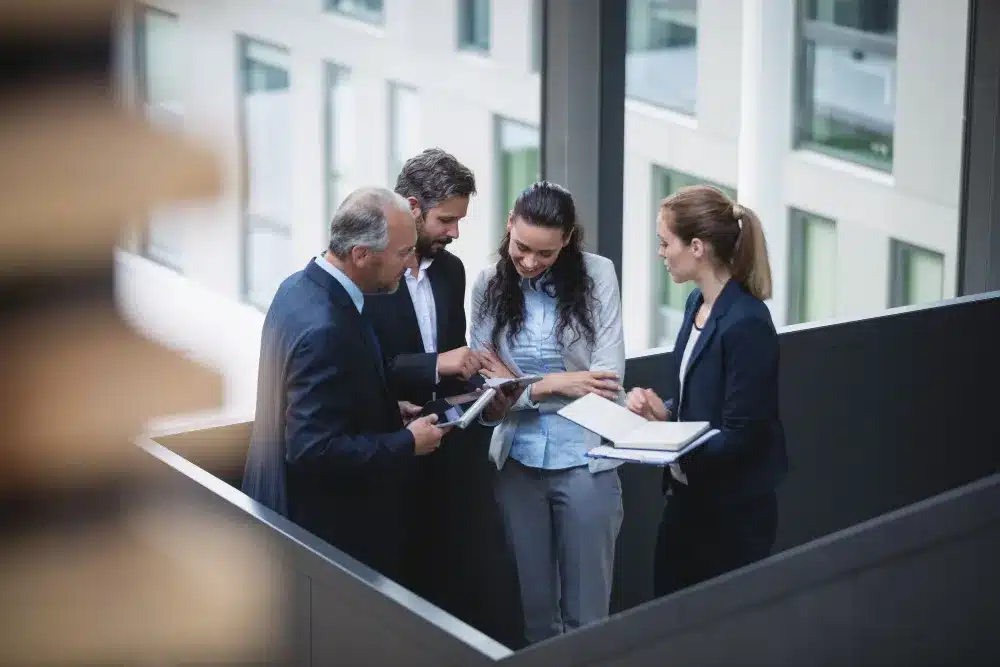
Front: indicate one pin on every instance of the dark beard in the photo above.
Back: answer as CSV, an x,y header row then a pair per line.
x,y
426,250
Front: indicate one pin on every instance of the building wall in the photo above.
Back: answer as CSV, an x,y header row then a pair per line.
x,y
460,95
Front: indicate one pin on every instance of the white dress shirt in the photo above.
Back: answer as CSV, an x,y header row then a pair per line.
x,y
423,304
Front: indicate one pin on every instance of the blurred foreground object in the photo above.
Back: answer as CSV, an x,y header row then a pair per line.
x,y
97,564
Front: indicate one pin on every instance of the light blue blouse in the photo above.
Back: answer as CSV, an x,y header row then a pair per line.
x,y
544,441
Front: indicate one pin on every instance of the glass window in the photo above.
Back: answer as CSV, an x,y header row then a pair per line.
x,y
812,268
404,127
662,60
366,10
518,163
537,19
847,79
267,137
671,296
339,135
160,76
917,275
474,24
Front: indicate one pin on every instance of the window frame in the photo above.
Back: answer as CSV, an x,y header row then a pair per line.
x,y
465,16
809,33
798,289
250,221
900,253
140,18
362,14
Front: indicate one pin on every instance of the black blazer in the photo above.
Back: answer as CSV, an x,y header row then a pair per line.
x,y
731,382
328,448
395,321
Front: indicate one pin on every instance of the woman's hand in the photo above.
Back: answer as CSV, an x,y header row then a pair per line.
x,y
576,384
646,404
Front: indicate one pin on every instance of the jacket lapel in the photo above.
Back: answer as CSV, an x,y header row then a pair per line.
x,y
725,299
404,303
440,288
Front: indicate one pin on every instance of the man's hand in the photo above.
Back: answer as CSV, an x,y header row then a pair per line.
x,y
408,411
426,436
461,362
577,384
645,403
493,366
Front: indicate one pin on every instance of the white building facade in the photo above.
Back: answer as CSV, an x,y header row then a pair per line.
x,y
839,121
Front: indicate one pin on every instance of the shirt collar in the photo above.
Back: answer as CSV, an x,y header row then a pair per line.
x,y
425,264
541,283
353,290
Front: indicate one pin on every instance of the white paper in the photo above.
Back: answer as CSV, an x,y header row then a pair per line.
x,y
647,456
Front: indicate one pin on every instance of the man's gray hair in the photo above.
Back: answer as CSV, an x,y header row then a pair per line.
x,y
361,220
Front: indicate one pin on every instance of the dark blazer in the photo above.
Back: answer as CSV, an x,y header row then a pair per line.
x,y
731,382
328,448
395,321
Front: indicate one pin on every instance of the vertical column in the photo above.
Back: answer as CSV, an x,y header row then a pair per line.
x,y
979,245
767,67
583,113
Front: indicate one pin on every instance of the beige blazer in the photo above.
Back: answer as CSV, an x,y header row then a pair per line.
x,y
606,354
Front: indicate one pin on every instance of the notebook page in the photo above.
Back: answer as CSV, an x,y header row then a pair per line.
x,y
605,418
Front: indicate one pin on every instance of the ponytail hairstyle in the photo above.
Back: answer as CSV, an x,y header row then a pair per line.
x,y
733,231
546,205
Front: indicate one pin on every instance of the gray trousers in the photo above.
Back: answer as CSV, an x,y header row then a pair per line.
x,y
561,526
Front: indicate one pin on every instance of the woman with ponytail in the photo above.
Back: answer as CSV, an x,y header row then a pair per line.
x,y
721,509
549,308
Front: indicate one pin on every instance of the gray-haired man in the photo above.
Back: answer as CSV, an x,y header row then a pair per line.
x,y
328,447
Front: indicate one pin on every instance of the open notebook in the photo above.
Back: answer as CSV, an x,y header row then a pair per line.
x,y
628,430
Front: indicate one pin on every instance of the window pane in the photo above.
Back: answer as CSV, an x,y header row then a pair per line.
x,y
160,82
519,163
813,293
404,130
671,296
847,80
918,275
269,261
366,10
267,135
474,24
339,135
662,61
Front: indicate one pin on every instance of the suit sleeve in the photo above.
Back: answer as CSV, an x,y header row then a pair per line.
x,y
321,417
750,354
412,374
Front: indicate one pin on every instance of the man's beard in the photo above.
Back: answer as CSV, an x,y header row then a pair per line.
x,y
426,248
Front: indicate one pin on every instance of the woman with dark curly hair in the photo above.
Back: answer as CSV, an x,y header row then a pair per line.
x,y
548,308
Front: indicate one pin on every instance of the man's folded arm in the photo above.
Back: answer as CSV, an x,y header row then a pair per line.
x,y
322,401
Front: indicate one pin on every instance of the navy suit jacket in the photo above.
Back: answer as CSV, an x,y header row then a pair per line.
x,y
328,448
732,383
